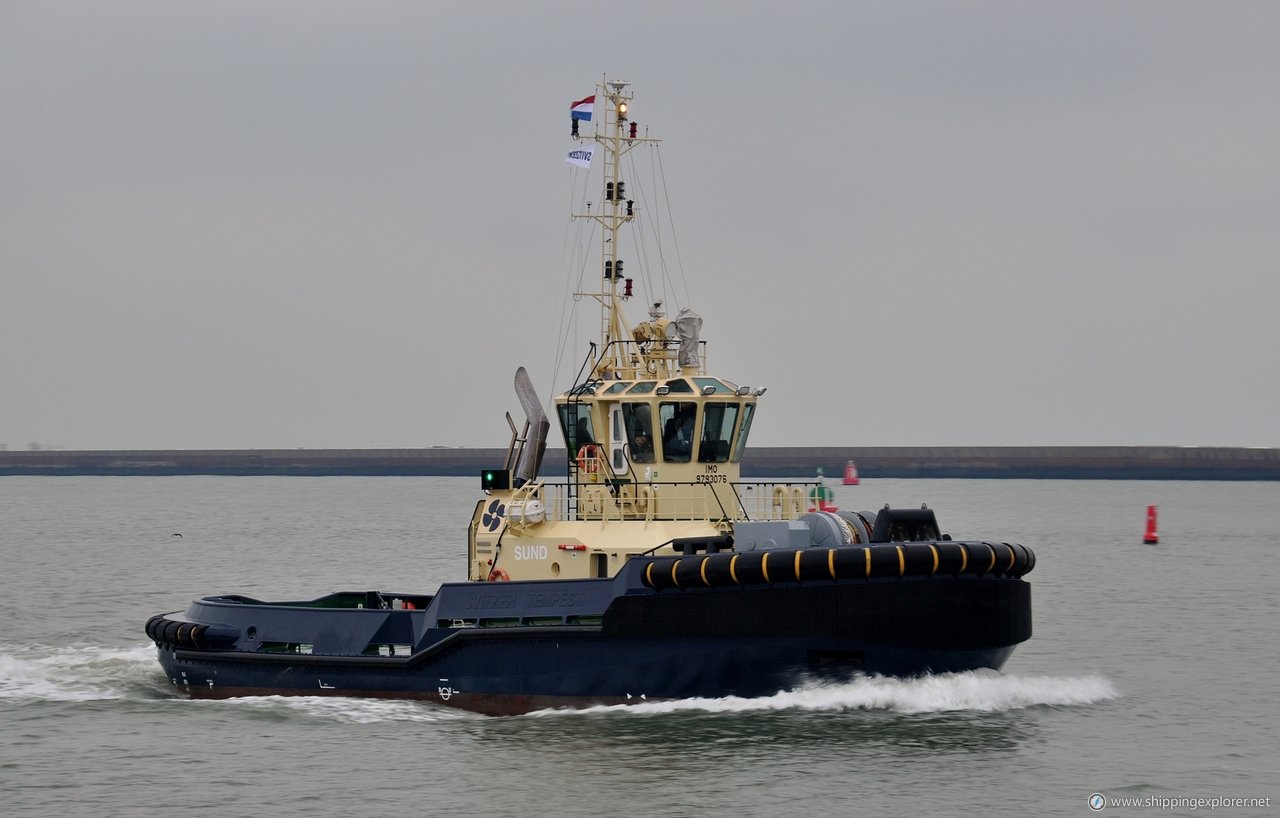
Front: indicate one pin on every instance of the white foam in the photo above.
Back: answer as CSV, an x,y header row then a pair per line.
x,y
74,673
347,710
89,673
975,691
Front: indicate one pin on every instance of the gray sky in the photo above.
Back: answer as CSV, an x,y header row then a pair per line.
x,y
247,224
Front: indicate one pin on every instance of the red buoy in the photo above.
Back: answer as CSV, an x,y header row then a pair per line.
x,y
850,474
1151,537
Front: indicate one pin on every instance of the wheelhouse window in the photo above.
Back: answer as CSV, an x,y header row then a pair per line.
x,y
575,422
638,421
679,386
718,421
748,412
679,421
717,386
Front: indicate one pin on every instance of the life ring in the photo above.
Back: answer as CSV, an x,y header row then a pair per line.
x,y
498,575
587,461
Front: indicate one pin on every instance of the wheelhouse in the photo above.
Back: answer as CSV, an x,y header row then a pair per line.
x,y
641,423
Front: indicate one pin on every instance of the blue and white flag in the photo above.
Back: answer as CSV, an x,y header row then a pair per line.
x,y
583,108
581,156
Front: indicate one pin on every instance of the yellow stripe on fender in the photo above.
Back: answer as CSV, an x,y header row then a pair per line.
x,y
902,560
964,557
798,553
648,575
675,581
831,562
764,566
733,572
867,551
992,549
934,549
703,570
1012,557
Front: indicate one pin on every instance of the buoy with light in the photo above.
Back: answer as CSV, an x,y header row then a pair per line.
x,y
1151,537
850,474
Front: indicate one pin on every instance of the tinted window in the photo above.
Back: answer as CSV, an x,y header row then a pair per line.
x,y
639,427
679,421
575,422
718,421
748,412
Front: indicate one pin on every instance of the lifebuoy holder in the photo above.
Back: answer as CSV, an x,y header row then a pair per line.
x,y
498,575
588,462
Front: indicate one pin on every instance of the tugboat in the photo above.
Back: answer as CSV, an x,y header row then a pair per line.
x,y
648,569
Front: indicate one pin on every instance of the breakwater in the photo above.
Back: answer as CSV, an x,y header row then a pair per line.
x,y
1024,462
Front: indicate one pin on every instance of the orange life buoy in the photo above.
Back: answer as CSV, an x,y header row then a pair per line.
x,y
587,458
498,575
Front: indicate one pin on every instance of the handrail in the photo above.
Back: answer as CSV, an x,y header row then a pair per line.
x,y
677,500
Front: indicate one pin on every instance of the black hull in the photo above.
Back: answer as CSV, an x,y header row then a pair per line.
x,y
506,648
509,676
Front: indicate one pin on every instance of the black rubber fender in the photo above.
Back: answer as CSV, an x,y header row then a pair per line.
x,y
1006,559
719,570
168,632
952,558
153,624
816,564
1028,559
688,572
920,559
944,558
886,560
852,563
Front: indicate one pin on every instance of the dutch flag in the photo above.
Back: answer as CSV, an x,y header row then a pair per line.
x,y
582,108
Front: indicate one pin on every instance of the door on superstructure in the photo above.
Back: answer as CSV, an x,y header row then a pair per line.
x,y
617,441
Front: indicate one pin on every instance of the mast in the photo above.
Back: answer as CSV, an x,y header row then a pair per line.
x,y
615,133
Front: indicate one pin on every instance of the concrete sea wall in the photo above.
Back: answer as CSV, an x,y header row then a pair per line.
x,y
1044,462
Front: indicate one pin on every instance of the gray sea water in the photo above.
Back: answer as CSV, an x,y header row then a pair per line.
x,y
1154,671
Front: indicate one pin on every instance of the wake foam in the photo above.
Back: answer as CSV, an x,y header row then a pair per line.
x,y
345,710
88,673
76,673
973,691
